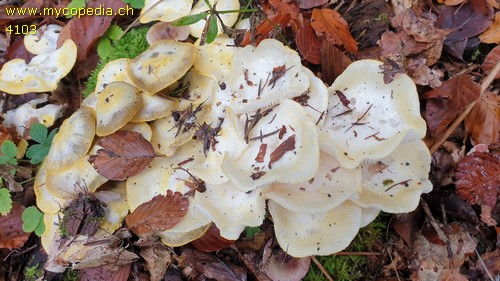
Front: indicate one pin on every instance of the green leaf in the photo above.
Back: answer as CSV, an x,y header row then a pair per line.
x,y
37,152
9,152
114,32
136,4
38,132
104,48
5,201
213,29
187,20
75,4
32,218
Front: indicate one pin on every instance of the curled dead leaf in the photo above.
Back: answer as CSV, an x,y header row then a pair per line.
x,y
308,43
211,241
124,154
483,122
329,23
159,214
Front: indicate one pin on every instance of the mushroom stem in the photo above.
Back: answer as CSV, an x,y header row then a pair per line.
x,y
466,111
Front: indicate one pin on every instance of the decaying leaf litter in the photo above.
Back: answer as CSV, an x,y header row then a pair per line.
x,y
201,158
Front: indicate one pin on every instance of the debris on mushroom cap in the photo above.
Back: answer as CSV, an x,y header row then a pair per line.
x,y
305,234
214,59
367,118
265,75
116,105
44,40
142,128
113,71
173,131
78,178
315,99
329,187
229,19
161,65
72,141
154,107
281,141
395,183
166,11
200,90
165,30
42,74
45,200
22,117
231,209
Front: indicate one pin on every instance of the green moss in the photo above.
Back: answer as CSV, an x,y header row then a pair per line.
x,y
129,46
32,273
70,275
351,267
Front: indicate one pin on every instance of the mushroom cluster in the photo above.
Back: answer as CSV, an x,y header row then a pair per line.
x,y
242,130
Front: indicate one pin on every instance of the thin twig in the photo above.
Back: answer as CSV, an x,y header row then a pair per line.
x,y
322,268
467,110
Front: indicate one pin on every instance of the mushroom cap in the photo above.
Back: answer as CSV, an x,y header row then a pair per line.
x,y
165,30
305,234
161,65
271,67
116,105
395,183
72,141
42,74
368,215
114,195
382,115
228,19
154,107
328,188
113,71
51,222
315,99
45,200
142,128
166,11
78,178
231,209
297,142
44,40
179,238
201,89
214,59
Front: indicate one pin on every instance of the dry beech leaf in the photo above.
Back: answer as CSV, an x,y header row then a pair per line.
x,y
212,267
158,259
159,214
333,62
86,30
105,273
262,30
287,7
124,154
308,43
11,228
483,122
447,101
211,241
330,24
491,60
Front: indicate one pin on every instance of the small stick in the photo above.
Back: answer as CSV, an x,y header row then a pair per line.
x,y
466,111
322,268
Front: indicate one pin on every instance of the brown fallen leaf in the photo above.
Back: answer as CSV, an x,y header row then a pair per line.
x,y
158,259
86,30
159,214
447,101
492,34
308,43
213,267
83,216
124,154
478,181
279,266
11,228
491,60
105,272
329,23
333,62
286,145
262,30
308,4
211,241
483,122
